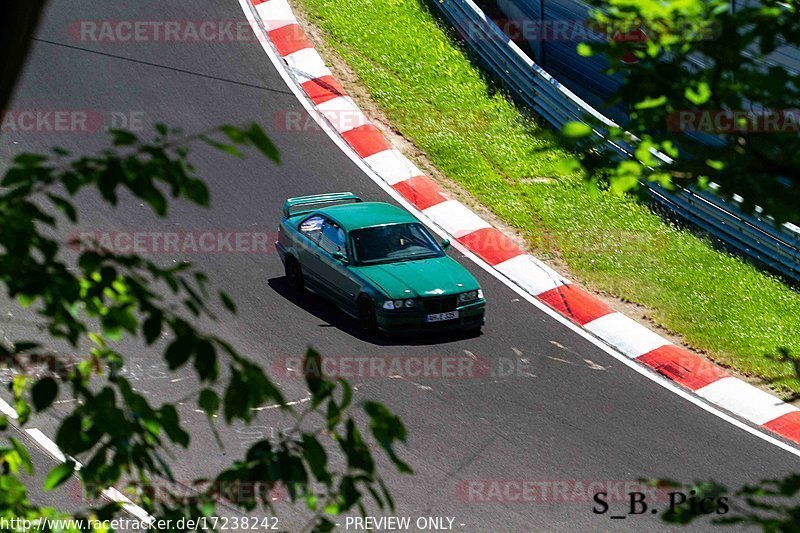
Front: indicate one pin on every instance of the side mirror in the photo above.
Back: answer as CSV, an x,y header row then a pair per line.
x,y
445,244
339,256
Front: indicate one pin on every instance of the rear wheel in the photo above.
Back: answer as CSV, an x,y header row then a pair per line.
x,y
366,314
294,274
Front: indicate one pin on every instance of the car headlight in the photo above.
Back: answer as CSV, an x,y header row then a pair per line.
x,y
408,303
470,296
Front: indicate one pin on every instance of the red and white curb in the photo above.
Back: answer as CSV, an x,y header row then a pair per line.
x,y
308,70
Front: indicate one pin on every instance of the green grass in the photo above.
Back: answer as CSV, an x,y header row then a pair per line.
x,y
439,100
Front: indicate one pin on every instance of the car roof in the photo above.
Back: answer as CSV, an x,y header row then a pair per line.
x,y
366,214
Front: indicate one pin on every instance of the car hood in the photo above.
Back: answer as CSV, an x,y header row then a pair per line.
x,y
422,278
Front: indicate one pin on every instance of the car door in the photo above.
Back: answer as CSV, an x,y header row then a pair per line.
x,y
334,273
308,250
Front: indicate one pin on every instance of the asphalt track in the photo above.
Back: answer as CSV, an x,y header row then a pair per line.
x,y
572,414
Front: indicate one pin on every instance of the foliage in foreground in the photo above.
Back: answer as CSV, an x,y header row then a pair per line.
x,y
121,437
705,93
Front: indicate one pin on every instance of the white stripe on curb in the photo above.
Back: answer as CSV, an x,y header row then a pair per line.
x,y
531,274
307,65
343,113
276,14
393,166
456,218
745,400
627,335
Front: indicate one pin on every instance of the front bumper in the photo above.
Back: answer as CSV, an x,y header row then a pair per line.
x,y
470,316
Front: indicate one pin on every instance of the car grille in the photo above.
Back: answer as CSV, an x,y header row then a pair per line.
x,y
440,304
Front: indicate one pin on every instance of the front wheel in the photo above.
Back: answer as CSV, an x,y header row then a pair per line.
x,y
366,314
294,274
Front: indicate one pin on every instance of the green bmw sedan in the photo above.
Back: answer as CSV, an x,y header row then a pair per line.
x,y
377,263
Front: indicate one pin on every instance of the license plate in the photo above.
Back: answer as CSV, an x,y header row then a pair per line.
x,y
439,317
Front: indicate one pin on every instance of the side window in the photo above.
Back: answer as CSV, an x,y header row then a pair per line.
x,y
332,238
312,227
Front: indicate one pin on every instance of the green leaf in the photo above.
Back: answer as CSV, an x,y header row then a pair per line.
x,y
584,50
69,436
227,148
576,130
314,454
24,456
171,424
650,103
262,142
197,191
178,352
65,206
347,394
209,401
569,165
236,398
699,96
324,525
123,137
44,392
59,474
236,135
228,302
387,429
205,360
121,317
152,328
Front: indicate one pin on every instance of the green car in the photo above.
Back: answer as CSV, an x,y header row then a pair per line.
x,y
378,263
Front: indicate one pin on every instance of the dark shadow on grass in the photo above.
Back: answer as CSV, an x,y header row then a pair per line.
x,y
332,316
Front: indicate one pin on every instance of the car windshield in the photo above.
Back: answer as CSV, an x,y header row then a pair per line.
x,y
393,243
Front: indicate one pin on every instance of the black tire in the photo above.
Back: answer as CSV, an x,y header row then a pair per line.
x,y
366,314
294,274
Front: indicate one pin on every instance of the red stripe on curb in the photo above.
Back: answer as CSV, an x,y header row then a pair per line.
x,y
256,2
289,39
421,191
787,426
366,140
491,245
575,303
322,89
683,367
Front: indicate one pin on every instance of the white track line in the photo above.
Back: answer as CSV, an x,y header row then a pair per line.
x,y
7,410
110,493
294,86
